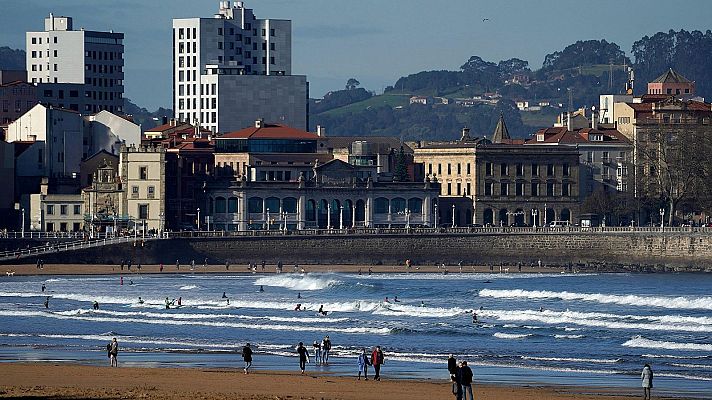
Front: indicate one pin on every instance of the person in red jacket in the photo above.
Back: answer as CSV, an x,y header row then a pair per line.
x,y
377,361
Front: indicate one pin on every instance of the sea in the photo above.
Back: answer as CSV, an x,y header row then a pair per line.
x,y
531,329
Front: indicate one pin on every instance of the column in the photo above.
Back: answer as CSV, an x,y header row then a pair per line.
x,y
353,214
328,215
301,212
242,212
368,220
425,212
390,217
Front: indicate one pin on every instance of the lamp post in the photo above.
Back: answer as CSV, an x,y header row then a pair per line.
x,y
143,229
284,218
198,224
162,225
114,218
535,213
545,212
328,216
23,222
662,218
436,215
268,221
407,218
453,215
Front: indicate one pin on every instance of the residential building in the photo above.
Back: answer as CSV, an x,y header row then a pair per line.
x,y
143,180
49,212
107,131
234,68
16,96
672,83
80,70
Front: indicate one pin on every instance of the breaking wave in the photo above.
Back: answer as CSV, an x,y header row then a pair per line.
x,y
639,341
304,282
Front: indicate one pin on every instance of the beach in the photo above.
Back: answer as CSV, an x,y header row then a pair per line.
x,y
60,381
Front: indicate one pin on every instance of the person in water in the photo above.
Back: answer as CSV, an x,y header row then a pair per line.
x,y
224,296
179,301
321,310
168,303
298,307
44,288
299,295
46,302
262,289
96,305
140,300
422,303
395,299
386,300
474,317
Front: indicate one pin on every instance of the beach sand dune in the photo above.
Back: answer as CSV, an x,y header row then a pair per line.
x,y
62,381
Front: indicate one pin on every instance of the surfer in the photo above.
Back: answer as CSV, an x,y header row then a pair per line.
x,y
541,309
395,299
46,302
168,303
130,282
474,317
298,307
299,295
179,301
228,301
140,300
44,288
422,303
262,289
96,305
321,310
369,271
386,300
224,296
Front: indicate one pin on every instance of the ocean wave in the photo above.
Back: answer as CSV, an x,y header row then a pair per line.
x,y
306,282
188,287
639,341
164,321
603,321
704,303
569,336
695,366
681,357
511,335
571,359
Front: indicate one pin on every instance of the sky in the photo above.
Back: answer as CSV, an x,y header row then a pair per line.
x,y
374,41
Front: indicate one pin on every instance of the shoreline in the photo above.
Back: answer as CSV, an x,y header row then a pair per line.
x,y
65,381
242,269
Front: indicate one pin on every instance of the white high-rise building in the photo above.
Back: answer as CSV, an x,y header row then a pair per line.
x,y
233,69
79,70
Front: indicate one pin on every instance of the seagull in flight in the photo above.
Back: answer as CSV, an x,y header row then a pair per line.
x,y
485,19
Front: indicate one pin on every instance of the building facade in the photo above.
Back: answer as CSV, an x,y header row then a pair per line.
x,y
143,179
234,68
16,96
80,70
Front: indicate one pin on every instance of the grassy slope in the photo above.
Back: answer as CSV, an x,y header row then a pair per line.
x,y
384,99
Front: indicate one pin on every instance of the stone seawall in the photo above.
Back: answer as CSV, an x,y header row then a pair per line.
x,y
645,248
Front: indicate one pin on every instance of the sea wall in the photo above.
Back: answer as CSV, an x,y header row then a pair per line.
x,y
674,249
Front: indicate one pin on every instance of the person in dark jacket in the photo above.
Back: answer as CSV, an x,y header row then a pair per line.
x,y
465,380
114,353
451,365
303,356
247,357
456,380
377,360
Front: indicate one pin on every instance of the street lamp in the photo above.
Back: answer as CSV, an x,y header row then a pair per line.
x,y
535,213
453,215
407,218
328,216
662,217
436,215
198,224
268,221
545,212
23,222
341,217
162,226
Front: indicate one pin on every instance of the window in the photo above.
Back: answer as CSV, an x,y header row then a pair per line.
x,y
50,209
535,188
468,170
459,169
220,205
63,209
50,227
520,189
134,191
535,169
566,169
488,188
151,191
220,45
381,205
440,169
77,209
504,189
143,173
449,168
271,32
504,170
488,169
550,170
459,188
449,189
143,211
550,188
430,169
565,189
469,191
220,31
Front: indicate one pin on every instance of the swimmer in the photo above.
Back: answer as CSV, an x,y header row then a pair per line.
x,y
46,302
395,299
96,305
422,303
168,303
321,310
386,300
541,309
298,307
44,288
474,317
224,296
140,300
299,295
262,289
179,300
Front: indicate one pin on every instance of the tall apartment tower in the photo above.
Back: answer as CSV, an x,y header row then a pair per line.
x,y
233,69
79,70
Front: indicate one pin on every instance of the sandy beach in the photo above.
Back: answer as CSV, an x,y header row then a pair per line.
x,y
89,269
82,382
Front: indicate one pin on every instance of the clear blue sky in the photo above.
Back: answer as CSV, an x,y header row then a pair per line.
x,y
375,41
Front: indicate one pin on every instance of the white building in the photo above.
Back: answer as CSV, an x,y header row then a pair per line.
x,y
607,106
80,70
231,47
107,131
143,176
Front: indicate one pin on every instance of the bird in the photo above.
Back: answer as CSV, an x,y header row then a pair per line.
x,y
485,19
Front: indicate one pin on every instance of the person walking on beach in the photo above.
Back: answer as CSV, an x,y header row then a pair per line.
x,y
114,352
303,356
466,380
377,361
247,356
452,365
647,381
316,348
325,349
456,383
363,364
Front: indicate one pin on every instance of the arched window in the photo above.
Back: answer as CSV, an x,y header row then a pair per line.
x,y
503,217
311,210
488,217
254,205
398,205
360,210
415,205
272,204
565,215
289,204
519,217
219,205
232,205
380,205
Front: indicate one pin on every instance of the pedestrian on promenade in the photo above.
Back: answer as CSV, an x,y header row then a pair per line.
x,y
247,357
647,381
303,356
466,381
377,360
114,353
363,364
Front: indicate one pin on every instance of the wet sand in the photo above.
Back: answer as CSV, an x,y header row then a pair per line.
x,y
63,381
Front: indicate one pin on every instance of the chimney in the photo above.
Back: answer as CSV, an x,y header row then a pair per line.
x,y
594,118
465,134
320,131
164,120
568,120
259,123
172,122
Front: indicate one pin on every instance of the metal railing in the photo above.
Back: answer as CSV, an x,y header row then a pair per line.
x,y
58,247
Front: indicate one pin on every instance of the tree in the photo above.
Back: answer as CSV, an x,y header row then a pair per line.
x,y
401,170
352,84
587,52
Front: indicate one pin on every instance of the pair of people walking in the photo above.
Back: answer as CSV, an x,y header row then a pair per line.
x,y
461,376
112,350
377,359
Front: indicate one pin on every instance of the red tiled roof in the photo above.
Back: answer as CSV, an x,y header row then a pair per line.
x,y
562,135
270,131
